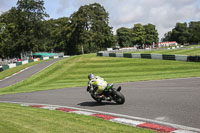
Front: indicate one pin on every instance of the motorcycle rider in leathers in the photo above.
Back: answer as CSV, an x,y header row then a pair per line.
x,y
96,84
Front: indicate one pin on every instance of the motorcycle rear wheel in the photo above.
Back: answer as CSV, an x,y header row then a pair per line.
x,y
118,97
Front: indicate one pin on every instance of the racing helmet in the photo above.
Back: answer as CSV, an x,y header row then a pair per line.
x,y
90,76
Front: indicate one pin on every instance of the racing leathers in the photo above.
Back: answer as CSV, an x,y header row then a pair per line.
x,y
97,84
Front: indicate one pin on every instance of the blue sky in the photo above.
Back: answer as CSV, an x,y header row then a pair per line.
x,y
125,13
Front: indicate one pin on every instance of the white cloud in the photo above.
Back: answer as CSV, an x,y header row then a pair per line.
x,y
125,13
162,13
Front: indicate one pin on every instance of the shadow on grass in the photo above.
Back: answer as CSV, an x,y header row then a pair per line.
x,y
93,103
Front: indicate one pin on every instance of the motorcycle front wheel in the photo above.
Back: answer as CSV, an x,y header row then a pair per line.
x,y
96,99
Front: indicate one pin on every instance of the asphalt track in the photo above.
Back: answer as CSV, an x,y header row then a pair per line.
x,y
26,73
175,101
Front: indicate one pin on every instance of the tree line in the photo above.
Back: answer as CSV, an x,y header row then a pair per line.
x,y
138,35
184,33
26,28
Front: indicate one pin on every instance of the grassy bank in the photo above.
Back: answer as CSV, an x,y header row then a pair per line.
x,y
17,119
72,72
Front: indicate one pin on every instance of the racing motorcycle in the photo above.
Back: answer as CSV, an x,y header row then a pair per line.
x,y
110,93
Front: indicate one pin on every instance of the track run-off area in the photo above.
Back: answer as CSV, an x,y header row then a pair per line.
x,y
174,101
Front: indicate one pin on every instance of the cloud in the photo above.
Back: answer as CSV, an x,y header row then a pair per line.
x,y
5,5
162,13
125,13
64,4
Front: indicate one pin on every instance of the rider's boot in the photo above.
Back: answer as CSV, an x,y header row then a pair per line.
x,y
119,88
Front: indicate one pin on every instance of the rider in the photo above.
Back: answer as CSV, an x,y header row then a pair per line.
x,y
97,84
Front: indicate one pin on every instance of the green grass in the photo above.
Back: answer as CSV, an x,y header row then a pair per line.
x,y
11,71
192,52
17,119
72,72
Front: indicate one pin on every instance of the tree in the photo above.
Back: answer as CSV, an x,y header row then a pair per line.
x,y
23,30
167,37
124,37
194,29
29,22
90,29
138,34
180,33
151,34
56,34
9,34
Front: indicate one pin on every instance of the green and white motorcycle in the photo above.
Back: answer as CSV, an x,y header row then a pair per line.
x,y
109,94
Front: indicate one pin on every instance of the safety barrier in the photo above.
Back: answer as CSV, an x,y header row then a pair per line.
x,y
5,67
152,56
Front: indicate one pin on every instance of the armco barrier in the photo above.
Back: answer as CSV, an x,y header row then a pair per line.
x,y
24,62
99,54
146,56
37,59
18,63
29,61
119,55
181,57
127,55
193,58
152,56
45,58
106,54
112,55
5,67
168,57
157,56
136,55
11,65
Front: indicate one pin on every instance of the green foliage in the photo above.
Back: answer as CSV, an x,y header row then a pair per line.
x,y
90,29
138,35
194,29
124,37
151,34
24,28
56,34
182,33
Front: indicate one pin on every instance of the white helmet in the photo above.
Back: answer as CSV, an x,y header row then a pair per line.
x,y
90,76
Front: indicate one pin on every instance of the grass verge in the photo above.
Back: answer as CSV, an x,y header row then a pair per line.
x,y
17,119
72,72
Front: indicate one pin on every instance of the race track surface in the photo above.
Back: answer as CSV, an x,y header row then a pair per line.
x,y
26,73
174,101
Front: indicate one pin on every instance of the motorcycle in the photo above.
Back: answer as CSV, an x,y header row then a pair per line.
x,y
110,93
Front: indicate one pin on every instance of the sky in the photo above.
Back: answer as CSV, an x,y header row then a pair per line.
x,y
125,13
